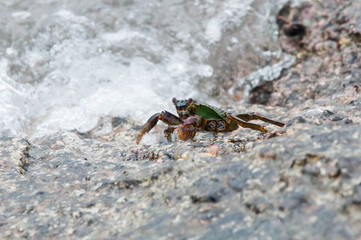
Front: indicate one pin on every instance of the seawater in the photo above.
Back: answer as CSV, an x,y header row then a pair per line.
x,y
65,64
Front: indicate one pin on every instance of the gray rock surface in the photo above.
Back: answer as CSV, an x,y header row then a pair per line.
x,y
302,181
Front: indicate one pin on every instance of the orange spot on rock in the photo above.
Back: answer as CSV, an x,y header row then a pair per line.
x,y
213,150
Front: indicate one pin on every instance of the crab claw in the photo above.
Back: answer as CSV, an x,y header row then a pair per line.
x,y
189,128
185,133
152,121
164,116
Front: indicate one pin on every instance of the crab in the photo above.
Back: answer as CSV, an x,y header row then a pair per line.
x,y
194,116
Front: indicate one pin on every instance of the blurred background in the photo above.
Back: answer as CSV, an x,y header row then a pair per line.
x,y
66,64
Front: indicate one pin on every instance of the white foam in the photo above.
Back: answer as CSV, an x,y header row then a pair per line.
x,y
65,71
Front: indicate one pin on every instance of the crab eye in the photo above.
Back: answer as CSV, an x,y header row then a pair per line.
x,y
221,126
211,126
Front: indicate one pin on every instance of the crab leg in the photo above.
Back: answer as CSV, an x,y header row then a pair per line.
x,y
244,124
170,119
152,121
164,116
251,116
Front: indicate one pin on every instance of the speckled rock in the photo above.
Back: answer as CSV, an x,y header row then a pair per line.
x,y
301,181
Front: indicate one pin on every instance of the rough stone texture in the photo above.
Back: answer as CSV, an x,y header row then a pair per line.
x,y
301,181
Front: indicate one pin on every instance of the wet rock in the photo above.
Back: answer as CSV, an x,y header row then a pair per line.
x,y
292,29
298,119
300,181
323,46
213,198
261,94
230,192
